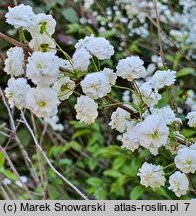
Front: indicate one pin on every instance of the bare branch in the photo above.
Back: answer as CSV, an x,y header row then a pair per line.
x,y
159,35
113,101
15,171
14,42
48,161
27,160
178,49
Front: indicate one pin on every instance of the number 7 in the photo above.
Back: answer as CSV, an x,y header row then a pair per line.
x,y
187,205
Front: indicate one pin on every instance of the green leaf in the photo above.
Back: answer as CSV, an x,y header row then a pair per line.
x,y
89,30
73,144
76,146
70,15
107,34
164,100
136,192
133,48
122,180
176,60
80,133
188,132
94,181
24,136
61,2
92,163
185,71
118,162
2,159
8,174
55,150
65,162
112,173
94,148
75,28
100,194
132,169
169,58
2,139
161,191
117,189
112,151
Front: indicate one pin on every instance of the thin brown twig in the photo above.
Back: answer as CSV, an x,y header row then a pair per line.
x,y
113,101
15,171
48,161
15,2
192,183
11,40
41,166
26,157
175,46
159,34
4,193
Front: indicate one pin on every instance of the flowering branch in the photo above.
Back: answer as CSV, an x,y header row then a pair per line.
x,y
116,103
145,124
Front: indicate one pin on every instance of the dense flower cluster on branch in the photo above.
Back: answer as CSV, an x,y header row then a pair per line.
x,y
40,81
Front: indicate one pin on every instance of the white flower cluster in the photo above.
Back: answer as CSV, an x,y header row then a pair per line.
x,y
42,66
179,183
14,64
131,68
86,109
64,86
191,100
43,69
96,46
186,159
130,137
40,26
151,175
191,116
79,62
166,113
133,16
16,92
20,16
96,85
88,4
119,120
53,122
153,131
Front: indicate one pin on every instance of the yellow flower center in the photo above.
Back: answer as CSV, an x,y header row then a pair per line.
x,y
155,135
63,88
41,103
